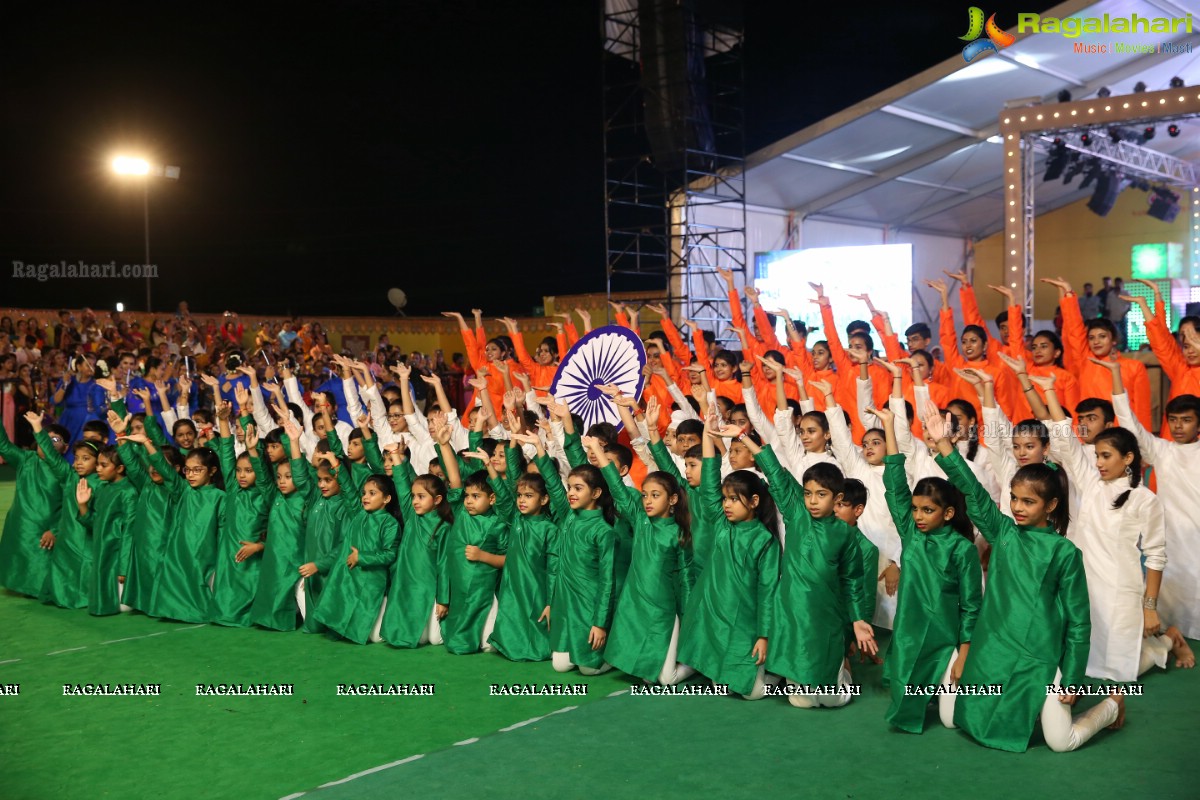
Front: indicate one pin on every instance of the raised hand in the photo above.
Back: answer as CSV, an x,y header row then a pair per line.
x,y
866,298
652,410
937,426
478,454
974,377
727,276
1003,290
1044,381
117,424
251,437
751,294
1064,287
1114,366
509,324
889,366
824,387
884,413
657,308
83,492
960,276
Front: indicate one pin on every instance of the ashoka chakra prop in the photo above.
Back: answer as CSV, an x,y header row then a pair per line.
x,y
611,354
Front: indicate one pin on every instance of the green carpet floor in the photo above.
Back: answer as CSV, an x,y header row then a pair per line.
x,y
183,746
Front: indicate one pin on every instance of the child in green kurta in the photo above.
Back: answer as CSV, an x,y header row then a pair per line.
x,y
69,574
183,586
37,501
645,635
152,517
689,481
472,554
728,621
582,572
239,551
941,588
352,599
410,617
322,540
521,632
109,521
275,605
821,588
1034,629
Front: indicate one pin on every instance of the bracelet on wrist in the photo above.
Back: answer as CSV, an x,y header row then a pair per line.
x,y
1150,603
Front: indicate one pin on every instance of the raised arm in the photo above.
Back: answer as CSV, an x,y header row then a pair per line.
x,y
980,508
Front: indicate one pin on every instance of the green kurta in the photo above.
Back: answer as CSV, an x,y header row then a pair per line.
x,y
581,575
820,586
622,528
352,598
37,501
182,589
275,600
357,474
322,543
235,583
109,524
734,599
468,588
415,575
656,590
941,589
1035,620
69,575
524,582
702,533
148,533
868,554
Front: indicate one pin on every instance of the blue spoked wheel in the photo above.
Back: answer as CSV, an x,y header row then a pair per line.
x,y
611,354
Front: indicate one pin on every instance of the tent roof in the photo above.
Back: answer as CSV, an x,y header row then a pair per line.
x,y
917,156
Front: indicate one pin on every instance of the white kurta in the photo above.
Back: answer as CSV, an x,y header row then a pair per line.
x,y
876,522
1113,541
1177,471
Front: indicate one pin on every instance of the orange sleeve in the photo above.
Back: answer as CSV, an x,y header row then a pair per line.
x,y
623,321
679,350
561,340
1074,335
948,338
803,358
1016,332
702,355
522,354
1166,349
891,344
735,310
572,333
840,359
971,315
474,352
766,334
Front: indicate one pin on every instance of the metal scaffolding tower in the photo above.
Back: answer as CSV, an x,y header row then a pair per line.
x,y
675,215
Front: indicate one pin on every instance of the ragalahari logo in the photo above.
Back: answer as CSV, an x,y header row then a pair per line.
x,y
996,38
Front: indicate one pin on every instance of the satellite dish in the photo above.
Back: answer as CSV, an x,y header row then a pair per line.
x,y
611,354
398,299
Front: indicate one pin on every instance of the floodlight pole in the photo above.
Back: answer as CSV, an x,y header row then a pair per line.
x,y
146,221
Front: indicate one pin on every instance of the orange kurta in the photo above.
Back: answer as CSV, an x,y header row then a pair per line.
x,y
1095,380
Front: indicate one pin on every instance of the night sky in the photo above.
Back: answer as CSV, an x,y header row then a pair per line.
x,y
333,150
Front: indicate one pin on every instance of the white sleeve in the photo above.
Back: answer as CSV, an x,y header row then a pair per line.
x,y
459,435
758,419
419,439
904,439
353,404
1068,452
849,457
262,417
1154,450
681,400
291,389
169,418
806,406
344,430
375,407
999,456
864,393
788,448
1154,530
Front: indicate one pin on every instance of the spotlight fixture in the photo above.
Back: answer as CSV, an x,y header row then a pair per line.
x,y
1164,204
1073,170
1108,186
1147,133
1139,87
1057,161
1176,82
1115,135
1172,130
1064,96
1104,92
1086,139
1093,172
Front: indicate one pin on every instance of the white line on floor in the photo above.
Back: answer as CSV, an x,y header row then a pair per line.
x,y
472,740
68,650
10,661
131,638
617,692
370,771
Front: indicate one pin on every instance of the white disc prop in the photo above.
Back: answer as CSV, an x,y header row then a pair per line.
x,y
608,355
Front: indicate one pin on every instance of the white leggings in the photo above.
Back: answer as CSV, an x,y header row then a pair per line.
x,y
488,626
825,700
1155,651
672,671
120,596
301,599
562,663
1062,731
433,629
